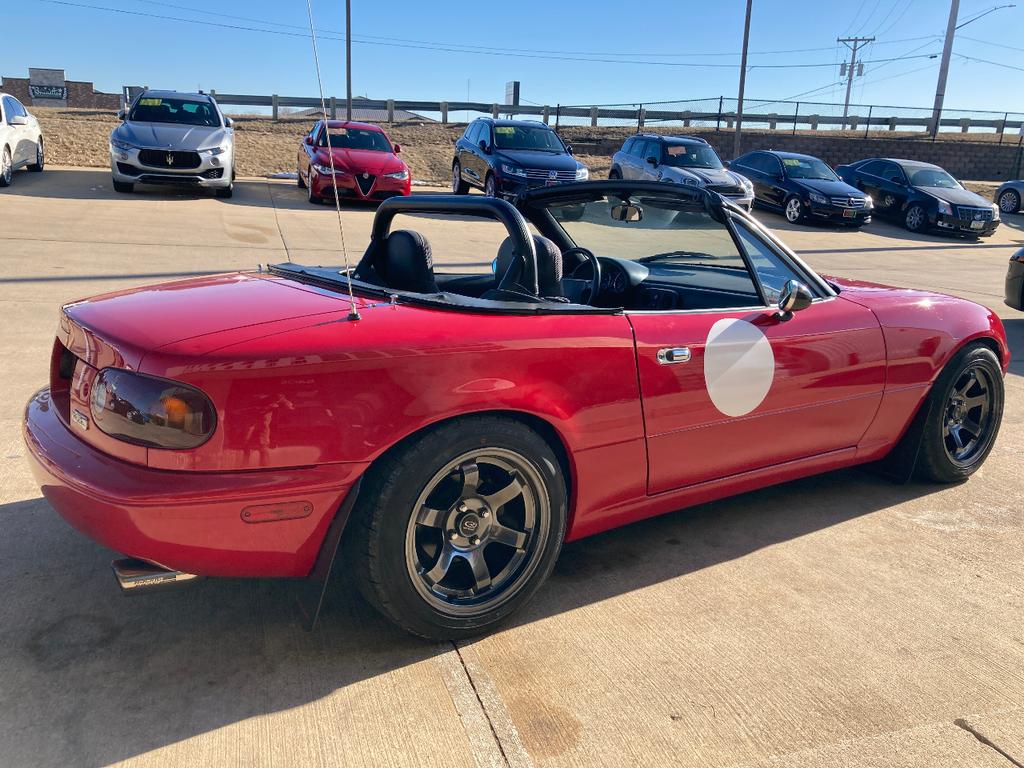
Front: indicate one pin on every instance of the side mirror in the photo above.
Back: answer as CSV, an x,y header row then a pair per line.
x,y
627,212
398,148
484,146
121,114
794,297
228,122
727,163
568,147
18,120
652,160
308,141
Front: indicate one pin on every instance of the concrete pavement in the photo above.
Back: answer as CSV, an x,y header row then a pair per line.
x,y
839,620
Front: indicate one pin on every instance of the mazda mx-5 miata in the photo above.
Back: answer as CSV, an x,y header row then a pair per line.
x,y
442,435
356,159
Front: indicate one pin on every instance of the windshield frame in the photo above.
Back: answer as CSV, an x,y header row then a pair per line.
x,y
911,172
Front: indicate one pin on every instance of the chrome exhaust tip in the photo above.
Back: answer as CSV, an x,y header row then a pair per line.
x,y
136,577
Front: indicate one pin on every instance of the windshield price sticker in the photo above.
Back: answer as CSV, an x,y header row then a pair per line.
x,y
504,129
790,161
151,102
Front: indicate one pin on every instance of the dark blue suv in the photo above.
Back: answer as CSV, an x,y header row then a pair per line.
x,y
505,157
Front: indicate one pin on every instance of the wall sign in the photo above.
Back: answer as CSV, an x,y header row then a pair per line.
x,y
48,91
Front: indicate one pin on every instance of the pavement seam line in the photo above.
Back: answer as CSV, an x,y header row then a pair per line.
x,y
498,717
483,741
962,724
277,221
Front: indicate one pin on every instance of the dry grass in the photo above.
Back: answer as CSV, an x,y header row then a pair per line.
x,y
78,137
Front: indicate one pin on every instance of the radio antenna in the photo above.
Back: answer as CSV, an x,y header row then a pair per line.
x,y
353,311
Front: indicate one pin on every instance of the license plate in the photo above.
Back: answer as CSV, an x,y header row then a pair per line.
x,y
977,225
849,213
550,182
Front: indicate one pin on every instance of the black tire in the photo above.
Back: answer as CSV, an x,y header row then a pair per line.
x,y
916,218
394,554
793,210
614,174
37,166
951,411
226,192
459,185
312,198
124,187
6,168
1009,201
491,186
301,182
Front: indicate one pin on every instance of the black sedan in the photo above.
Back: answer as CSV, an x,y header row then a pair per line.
x,y
802,188
922,196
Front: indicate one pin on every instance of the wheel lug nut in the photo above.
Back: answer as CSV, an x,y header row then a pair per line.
x,y
475,540
462,506
453,536
485,513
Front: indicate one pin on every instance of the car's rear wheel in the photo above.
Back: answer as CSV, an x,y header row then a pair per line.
x,y
124,187
6,168
966,408
37,166
794,210
915,219
490,186
459,185
454,531
1009,201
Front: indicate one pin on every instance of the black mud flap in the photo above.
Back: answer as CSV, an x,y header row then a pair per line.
x,y
314,587
898,465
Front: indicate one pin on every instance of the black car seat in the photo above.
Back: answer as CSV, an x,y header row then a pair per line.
x,y
549,266
404,262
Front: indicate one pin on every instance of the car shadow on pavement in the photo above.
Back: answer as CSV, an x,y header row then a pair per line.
x,y
91,677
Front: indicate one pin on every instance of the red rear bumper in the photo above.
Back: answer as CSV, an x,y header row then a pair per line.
x,y
185,521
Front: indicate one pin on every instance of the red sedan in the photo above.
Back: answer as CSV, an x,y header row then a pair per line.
x,y
653,348
366,165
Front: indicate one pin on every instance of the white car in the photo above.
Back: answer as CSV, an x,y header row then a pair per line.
x,y
21,141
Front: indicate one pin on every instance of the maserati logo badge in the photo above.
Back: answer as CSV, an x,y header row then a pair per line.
x,y
552,174
170,158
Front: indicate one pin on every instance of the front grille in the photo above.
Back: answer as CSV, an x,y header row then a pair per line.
x,y
729,190
848,202
159,158
365,182
965,213
213,173
538,174
156,178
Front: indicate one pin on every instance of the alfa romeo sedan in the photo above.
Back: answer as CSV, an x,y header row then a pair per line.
x,y
921,196
171,138
440,435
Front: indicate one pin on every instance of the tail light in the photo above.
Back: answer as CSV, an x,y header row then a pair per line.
x,y
148,411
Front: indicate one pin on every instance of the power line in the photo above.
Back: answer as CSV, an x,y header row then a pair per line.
x,y
988,42
986,61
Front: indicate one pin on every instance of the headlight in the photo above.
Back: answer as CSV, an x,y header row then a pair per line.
x,y
995,213
945,208
326,170
513,170
868,202
818,198
401,175
747,185
691,182
582,174
121,146
215,150
149,411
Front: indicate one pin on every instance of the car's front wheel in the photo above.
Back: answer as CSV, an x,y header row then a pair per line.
x,y
965,411
1009,201
915,219
794,210
6,168
37,166
459,185
491,186
455,531
614,174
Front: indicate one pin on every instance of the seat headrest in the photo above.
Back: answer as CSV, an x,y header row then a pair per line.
x,y
405,263
549,264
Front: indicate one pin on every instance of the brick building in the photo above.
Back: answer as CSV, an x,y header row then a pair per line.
x,y
49,88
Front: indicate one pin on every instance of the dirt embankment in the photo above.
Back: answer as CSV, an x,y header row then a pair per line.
x,y
79,137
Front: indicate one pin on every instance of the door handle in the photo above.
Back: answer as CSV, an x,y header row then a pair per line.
x,y
673,355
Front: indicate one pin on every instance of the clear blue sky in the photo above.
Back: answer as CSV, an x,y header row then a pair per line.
x,y
398,54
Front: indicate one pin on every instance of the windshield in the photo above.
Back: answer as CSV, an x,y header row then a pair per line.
x,y
527,137
808,168
931,177
691,156
356,138
669,230
182,111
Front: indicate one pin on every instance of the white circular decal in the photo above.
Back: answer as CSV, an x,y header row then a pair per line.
x,y
739,366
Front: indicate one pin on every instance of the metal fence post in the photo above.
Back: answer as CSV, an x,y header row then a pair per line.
x,y
718,123
867,125
1002,127
273,106
558,114
796,115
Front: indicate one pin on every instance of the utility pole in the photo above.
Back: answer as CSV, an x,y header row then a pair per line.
x,y
854,44
947,51
743,80
348,59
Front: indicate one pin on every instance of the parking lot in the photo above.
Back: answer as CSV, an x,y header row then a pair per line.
x,y
840,620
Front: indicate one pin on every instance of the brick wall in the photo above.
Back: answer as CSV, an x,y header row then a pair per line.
x,y
974,160
17,87
81,94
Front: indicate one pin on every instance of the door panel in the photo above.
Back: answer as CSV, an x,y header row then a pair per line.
x,y
755,391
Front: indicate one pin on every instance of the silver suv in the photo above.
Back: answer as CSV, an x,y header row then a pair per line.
x,y
168,137
686,160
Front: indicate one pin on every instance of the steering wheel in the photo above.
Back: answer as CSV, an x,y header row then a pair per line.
x,y
576,287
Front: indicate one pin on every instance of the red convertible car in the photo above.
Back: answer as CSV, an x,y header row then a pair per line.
x,y
646,347
361,163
